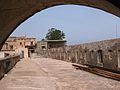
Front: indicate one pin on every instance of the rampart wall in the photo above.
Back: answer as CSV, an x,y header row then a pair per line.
x,y
104,54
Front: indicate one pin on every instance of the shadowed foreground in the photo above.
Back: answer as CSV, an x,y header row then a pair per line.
x,y
51,74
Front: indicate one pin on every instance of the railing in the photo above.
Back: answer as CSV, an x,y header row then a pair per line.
x,y
7,63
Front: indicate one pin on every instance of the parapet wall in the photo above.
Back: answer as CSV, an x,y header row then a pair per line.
x,y
104,54
6,64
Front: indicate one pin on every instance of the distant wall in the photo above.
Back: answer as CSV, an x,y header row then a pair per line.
x,y
104,54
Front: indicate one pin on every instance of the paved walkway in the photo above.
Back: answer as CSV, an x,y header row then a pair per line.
x,y
50,74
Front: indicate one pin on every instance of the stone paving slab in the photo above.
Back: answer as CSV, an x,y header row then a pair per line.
x,y
51,74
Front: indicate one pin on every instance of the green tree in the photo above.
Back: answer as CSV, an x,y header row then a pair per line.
x,y
55,34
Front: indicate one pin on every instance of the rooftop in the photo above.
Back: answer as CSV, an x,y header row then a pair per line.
x,y
53,41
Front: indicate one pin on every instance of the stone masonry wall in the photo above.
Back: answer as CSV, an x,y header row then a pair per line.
x,y
104,54
7,63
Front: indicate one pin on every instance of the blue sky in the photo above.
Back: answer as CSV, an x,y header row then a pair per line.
x,y
79,23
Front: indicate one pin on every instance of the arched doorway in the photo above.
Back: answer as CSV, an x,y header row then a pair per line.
x,y
14,13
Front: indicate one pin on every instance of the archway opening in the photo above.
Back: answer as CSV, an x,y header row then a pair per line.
x,y
72,19
14,13
80,24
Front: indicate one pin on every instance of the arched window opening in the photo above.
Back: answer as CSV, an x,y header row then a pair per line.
x,y
110,54
100,56
118,58
6,45
92,54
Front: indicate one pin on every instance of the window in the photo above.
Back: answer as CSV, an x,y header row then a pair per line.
x,y
118,58
85,51
85,56
77,55
50,46
43,47
6,45
100,56
31,43
92,54
11,47
20,43
110,54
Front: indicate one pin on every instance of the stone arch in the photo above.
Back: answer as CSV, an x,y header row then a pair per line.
x,y
14,12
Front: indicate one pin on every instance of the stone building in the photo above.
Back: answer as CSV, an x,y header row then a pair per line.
x,y
16,45
44,45
48,44
30,44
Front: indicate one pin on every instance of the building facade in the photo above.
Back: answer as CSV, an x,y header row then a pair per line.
x,y
16,45
44,45
48,44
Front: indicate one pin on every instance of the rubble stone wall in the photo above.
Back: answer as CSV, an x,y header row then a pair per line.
x,y
7,63
104,54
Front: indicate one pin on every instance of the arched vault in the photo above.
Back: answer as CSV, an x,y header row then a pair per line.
x,y
14,12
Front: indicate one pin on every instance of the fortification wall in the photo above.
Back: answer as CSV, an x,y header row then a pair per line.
x,y
104,54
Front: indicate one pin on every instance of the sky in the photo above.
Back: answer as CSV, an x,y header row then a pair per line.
x,y
80,24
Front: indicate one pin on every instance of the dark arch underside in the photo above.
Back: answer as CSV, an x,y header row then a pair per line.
x,y
115,2
14,12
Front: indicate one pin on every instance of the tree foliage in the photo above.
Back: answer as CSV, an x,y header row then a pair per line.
x,y
55,34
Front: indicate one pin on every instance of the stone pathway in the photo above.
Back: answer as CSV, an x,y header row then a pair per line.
x,y
51,74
